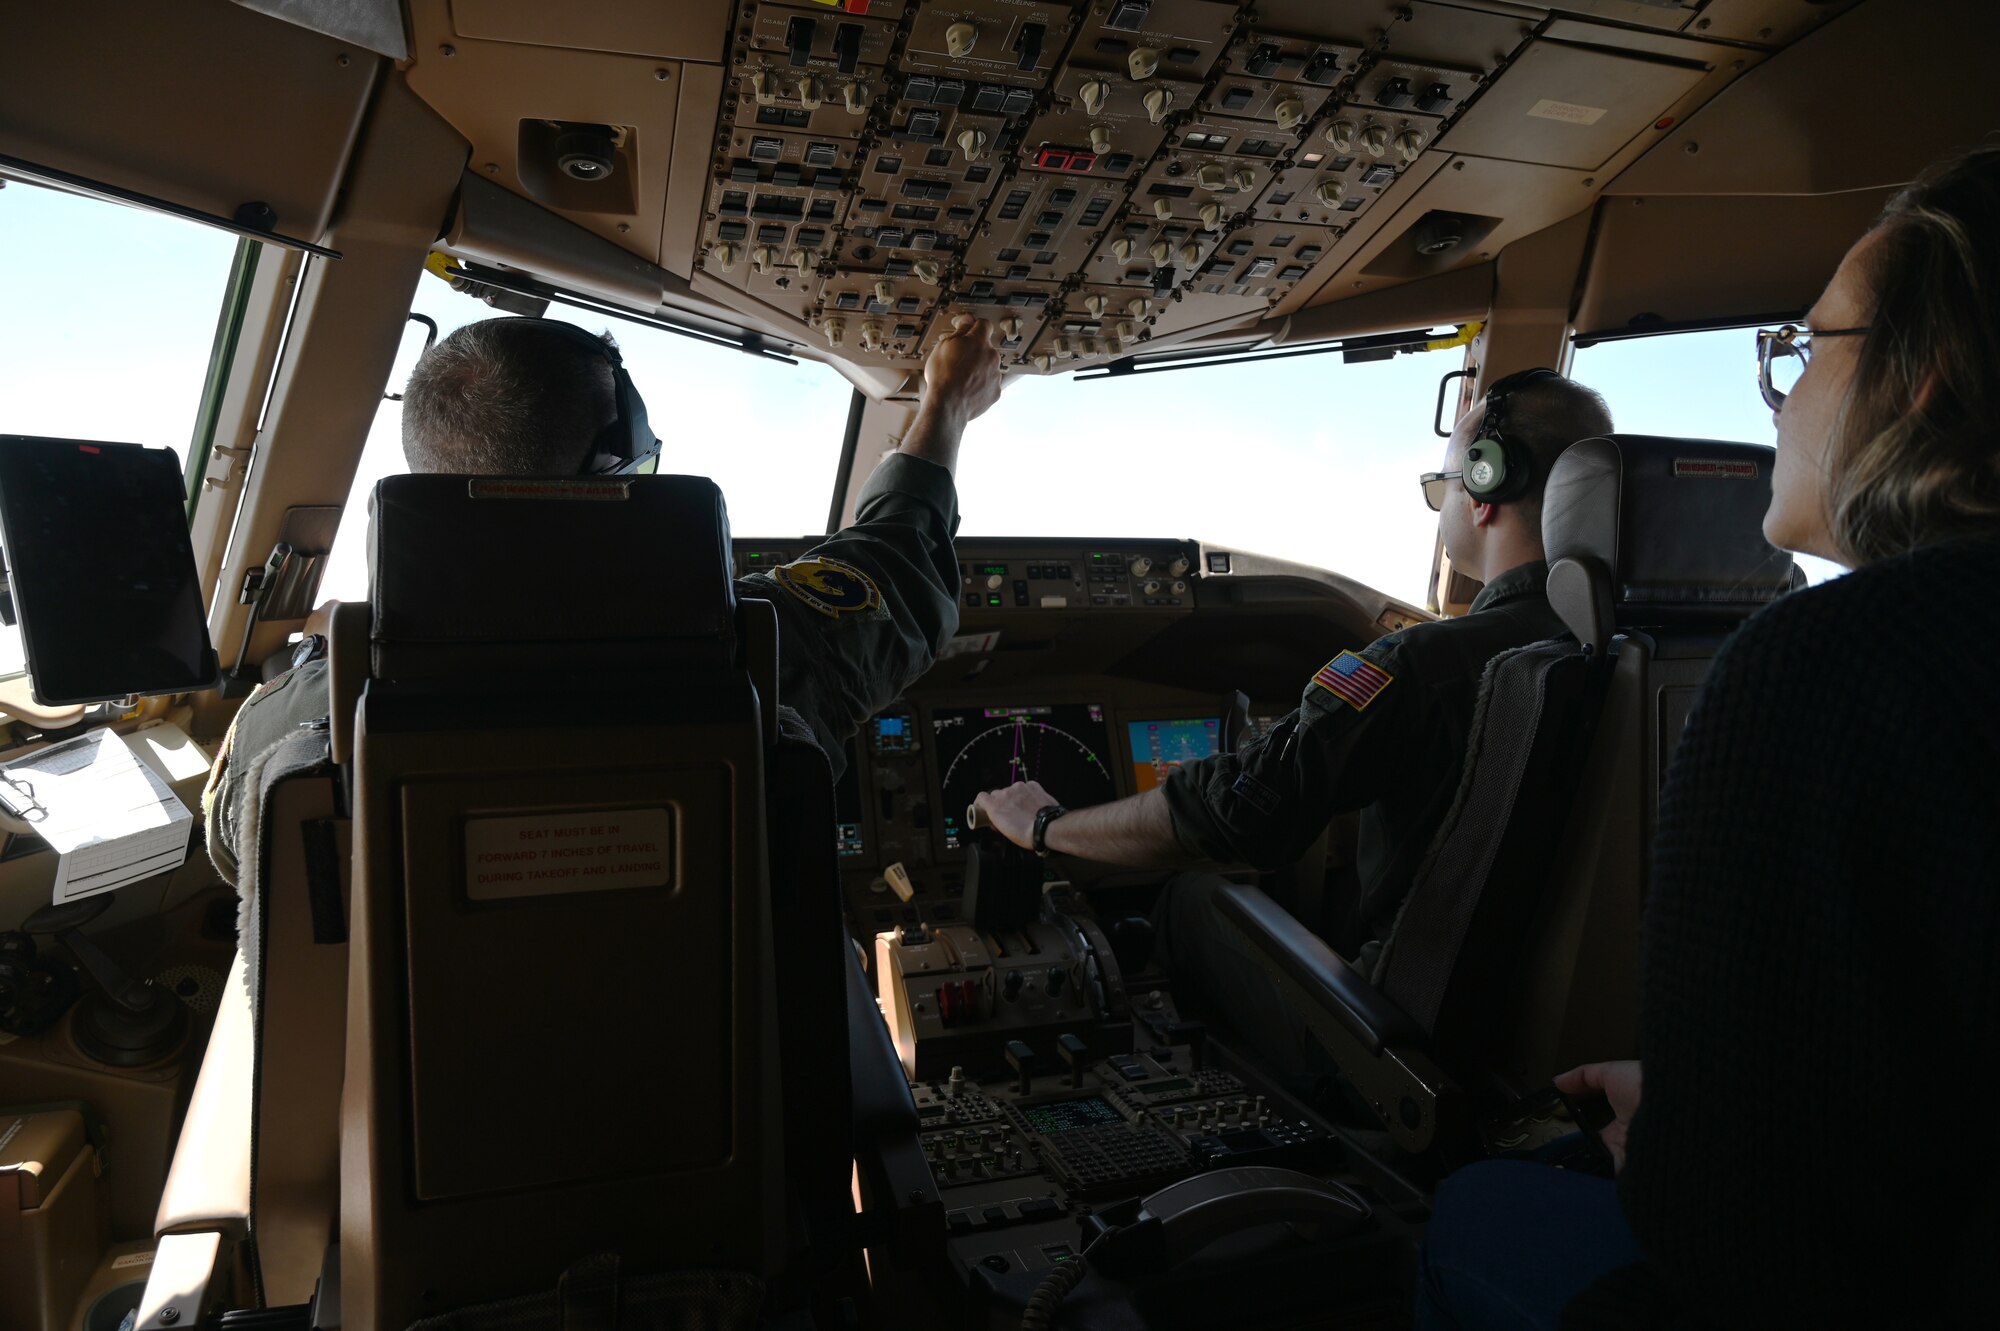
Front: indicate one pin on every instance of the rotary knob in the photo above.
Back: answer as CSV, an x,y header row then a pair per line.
x,y
1244,178
810,93
1341,135
805,260
972,142
724,256
927,271
1161,250
1211,216
1043,362
1121,249
1375,140
871,335
1010,329
1100,139
1157,102
994,582
1143,62
1188,254
1409,145
1163,208
885,291
1152,587
1330,192
960,38
1212,177
764,87
855,97
1289,112
1095,304
1179,587
1093,93
1178,566
1141,566
834,328
1137,307
761,259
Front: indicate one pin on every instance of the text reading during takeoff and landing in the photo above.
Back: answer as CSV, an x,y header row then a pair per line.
x,y
983,748
1158,747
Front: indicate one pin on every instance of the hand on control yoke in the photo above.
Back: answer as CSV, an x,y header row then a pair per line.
x,y
1011,810
963,372
1617,1082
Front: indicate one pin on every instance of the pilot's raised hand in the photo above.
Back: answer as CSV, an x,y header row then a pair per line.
x,y
1011,810
963,372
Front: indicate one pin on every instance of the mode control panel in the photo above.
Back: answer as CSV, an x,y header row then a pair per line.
x,y
1129,575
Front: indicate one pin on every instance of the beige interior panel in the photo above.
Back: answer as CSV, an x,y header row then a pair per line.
x,y
513,144
683,30
1786,127
1573,106
1765,257
218,108
1774,21
701,92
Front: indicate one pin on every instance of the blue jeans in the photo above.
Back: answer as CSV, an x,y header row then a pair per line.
x,y
1511,1242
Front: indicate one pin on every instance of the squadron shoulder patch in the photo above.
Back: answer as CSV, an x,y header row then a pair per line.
x,y
1355,680
829,586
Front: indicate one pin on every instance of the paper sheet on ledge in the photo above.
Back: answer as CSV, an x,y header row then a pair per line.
x,y
109,817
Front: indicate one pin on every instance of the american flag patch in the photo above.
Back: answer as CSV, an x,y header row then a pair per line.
x,y
1354,680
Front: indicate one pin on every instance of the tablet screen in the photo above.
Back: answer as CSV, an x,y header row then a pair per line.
x,y
102,570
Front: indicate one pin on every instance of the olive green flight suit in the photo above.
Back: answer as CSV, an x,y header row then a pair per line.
x,y
1397,756
860,616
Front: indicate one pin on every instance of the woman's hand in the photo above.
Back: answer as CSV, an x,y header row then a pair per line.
x,y
1616,1082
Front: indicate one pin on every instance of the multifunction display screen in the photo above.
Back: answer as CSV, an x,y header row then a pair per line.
x,y
1064,746
1068,1115
1158,747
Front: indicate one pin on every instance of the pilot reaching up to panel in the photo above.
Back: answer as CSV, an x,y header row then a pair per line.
x,y
1382,730
860,615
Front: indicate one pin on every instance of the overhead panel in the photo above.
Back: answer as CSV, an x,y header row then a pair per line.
x,y
684,30
1028,160
1572,106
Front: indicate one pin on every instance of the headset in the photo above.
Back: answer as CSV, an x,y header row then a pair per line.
x,y
626,446
1495,471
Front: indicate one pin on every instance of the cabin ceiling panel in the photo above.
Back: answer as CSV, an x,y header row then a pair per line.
x,y
520,106
1809,120
1772,22
1682,259
218,108
679,30
1572,106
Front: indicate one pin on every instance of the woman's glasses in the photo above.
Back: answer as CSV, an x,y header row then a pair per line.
x,y
1782,354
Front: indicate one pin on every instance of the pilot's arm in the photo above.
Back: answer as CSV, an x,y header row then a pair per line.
x,y
1263,806
864,613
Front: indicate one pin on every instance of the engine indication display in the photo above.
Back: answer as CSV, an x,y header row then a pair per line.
x,y
1063,746
1158,747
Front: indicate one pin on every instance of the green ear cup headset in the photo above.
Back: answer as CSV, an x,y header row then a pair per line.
x,y
1495,471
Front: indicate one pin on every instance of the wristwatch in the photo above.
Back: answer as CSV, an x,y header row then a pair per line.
x,y
1045,815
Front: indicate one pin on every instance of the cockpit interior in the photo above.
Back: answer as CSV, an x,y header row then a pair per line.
x,y
802,1050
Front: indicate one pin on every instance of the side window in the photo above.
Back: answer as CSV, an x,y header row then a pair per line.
x,y
1694,385
107,324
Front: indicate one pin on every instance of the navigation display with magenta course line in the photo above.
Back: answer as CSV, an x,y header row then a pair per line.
x,y
1158,747
1064,746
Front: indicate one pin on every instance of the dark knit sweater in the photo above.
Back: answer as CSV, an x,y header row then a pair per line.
x,y
1816,1143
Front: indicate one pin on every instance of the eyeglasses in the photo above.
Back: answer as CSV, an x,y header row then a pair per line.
x,y
1782,354
1434,487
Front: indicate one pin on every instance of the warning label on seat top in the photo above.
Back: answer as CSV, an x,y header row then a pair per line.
x,y
544,854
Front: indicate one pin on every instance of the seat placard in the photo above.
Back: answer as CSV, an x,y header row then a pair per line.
x,y
546,854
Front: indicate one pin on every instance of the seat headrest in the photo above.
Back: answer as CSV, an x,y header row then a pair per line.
x,y
475,577
1648,531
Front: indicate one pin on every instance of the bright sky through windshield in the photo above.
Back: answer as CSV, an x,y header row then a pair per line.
x,y
107,315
